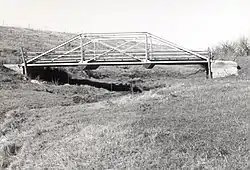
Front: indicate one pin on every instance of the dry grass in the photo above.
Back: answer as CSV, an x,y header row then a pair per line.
x,y
183,122
187,125
12,39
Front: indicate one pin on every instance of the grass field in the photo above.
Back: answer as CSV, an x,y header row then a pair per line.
x,y
12,39
179,121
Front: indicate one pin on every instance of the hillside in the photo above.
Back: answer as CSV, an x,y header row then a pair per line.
x,y
12,39
179,120
184,125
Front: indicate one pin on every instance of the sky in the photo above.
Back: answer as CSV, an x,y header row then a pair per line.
x,y
194,24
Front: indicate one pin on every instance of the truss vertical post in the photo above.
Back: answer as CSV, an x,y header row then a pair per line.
x,y
151,48
94,49
146,47
81,46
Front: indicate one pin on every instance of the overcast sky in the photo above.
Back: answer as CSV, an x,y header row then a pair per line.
x,y
191,23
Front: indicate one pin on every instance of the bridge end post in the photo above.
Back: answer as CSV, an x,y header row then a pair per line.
x,y
25,69
209,65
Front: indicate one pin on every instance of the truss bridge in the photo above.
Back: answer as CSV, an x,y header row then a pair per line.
x,y
91,50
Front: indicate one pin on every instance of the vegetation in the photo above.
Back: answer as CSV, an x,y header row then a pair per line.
x,y
12,39
231,50
186,125
179,121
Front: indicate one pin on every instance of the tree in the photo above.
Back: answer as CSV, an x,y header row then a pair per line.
x,y
244,47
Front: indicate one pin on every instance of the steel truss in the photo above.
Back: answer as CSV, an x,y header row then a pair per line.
x,y
92,50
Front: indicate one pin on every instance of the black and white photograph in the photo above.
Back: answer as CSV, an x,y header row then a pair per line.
x,y
125,84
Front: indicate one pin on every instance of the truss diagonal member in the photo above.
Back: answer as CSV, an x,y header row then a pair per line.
x,y
112,49
121,51
71,50
53,49
138,43
66,53
178,47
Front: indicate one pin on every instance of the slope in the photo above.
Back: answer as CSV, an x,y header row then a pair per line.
x,y
12,38
187,125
